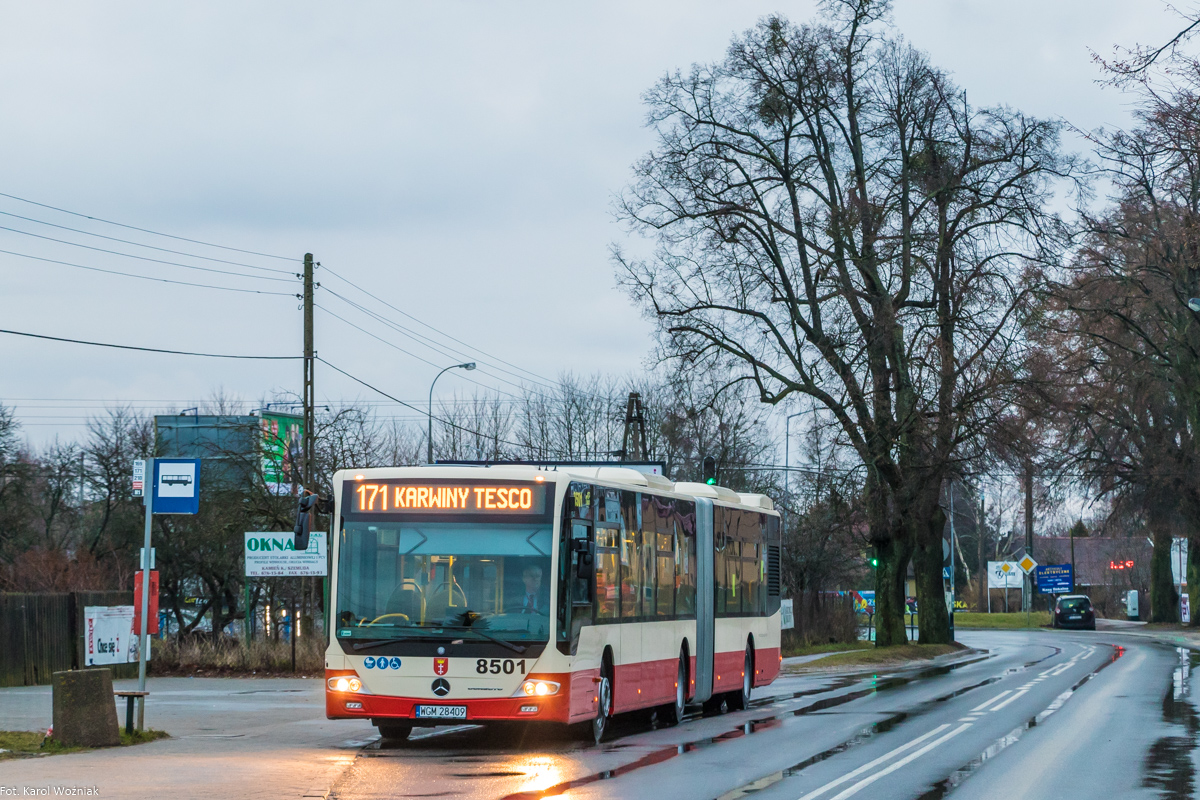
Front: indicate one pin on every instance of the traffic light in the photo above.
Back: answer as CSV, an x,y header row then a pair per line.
x,y
873,559
710,470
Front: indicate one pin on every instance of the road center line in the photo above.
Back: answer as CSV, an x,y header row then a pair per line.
x,y
872,764
865,782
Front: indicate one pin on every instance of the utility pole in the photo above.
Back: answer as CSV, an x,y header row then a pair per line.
x,y
309,400
307,474
981,533
1027,599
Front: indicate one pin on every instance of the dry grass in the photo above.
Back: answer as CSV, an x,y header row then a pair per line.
x,y
231,657
29,744
880,656
1012,620
833,647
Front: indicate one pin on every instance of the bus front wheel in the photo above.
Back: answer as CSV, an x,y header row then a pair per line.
x,y
602,724
394,733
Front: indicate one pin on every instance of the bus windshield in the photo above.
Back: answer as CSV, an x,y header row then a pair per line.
x,y
423,579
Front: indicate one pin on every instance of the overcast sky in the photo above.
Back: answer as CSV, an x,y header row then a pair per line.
x,y
455,159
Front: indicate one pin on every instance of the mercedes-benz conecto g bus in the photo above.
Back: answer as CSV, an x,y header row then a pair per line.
x,y
568,595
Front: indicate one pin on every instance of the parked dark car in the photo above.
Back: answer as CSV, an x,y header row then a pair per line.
x,y
1074,611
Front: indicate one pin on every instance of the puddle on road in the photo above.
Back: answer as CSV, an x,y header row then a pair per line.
x,y
1168,765
874,686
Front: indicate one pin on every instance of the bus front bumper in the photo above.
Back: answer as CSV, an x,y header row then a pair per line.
x,y
550,708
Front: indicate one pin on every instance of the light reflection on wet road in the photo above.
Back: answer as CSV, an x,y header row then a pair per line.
x,y
1043,714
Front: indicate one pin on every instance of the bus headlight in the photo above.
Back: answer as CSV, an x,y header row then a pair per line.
x,y
345,683
536,688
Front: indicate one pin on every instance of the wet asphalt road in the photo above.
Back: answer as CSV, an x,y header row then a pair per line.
x,y
1041,714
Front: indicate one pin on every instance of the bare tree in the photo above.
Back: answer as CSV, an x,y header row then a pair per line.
x,y
834,220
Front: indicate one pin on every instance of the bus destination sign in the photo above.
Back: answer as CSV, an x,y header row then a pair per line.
x,y
450,498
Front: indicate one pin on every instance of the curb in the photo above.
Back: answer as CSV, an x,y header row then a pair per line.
x,y
866,669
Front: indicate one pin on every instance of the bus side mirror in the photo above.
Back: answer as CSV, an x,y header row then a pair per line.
x,y
303,521
585,559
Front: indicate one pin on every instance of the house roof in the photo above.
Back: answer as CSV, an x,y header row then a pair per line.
x,y
1100,561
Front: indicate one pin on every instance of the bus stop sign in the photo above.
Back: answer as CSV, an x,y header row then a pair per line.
x,y
176,486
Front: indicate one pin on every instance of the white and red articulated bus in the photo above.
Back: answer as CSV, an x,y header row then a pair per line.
x,y
557,595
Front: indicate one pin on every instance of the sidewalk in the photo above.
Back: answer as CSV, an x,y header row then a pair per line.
x,y
231,737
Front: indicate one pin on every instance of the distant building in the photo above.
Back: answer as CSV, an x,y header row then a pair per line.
x,y
1122,562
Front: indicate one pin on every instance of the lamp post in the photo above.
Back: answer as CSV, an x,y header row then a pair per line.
x,y
1194,304
787,472
470,365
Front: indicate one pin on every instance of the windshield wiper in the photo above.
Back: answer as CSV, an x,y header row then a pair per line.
x,y
381,642
516,648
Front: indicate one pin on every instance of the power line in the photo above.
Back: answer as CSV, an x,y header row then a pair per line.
x,y
147,230
144,258
414,355
414,408
141,244
344,279
147,349
150,277
430,343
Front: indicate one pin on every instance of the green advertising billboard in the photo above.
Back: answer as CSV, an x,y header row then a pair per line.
x,y
282,451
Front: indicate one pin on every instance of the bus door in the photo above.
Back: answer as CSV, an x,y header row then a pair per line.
x,y
705,600
580,574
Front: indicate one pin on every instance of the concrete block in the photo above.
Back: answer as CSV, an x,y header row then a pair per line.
x,y
85,713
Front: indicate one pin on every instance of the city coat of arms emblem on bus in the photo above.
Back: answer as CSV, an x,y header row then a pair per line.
x,y
440,666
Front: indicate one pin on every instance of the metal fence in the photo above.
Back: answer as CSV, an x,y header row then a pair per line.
x,y
41,634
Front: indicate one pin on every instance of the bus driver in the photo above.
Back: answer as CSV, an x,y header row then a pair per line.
x,y
534,602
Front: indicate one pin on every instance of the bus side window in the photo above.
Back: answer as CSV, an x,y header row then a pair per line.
x,y
608,573
754,565
631,562
667,560
685,523
720,548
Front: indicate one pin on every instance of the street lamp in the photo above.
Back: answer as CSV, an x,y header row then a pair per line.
x,y
1194,304
787,472
470,365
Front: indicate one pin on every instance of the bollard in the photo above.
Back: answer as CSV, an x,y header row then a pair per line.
x,y
85,712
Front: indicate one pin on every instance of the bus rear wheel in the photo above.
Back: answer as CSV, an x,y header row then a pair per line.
x,y
740,700
602,724
672,713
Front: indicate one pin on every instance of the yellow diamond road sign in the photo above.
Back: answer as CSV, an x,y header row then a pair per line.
x,y
1005,567
1027,564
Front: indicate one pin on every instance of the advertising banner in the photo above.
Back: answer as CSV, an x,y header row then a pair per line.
x,y
864,602
108,636
282,451
1053,578
1004,575
273,555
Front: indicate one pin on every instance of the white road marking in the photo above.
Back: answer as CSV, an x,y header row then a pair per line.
x,y
999,706
865,782
994,699
872,764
